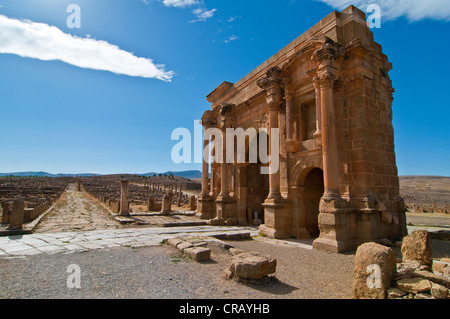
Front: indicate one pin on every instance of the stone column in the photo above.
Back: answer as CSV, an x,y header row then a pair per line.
x,y
274,98
318,133
288,96
274,177
226,205
124,202
205,168
329,141
17,213
206,203
336,223
224,186
277,210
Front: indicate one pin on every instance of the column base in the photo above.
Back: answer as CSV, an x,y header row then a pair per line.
x,y
206,207
217,222
277,218
337,224
226,207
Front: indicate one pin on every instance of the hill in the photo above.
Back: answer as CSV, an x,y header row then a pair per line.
x,y
185,174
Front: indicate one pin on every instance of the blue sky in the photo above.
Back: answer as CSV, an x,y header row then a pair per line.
x,y
92,114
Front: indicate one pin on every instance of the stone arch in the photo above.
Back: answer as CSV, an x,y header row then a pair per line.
x,y
313,190
306,187
302,168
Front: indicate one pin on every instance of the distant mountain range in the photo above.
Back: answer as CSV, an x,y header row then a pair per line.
x,y
45,174
185,174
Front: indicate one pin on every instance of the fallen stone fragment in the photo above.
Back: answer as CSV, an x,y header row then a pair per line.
x,y
252,265
198,254
394,293
407,267
416,246
414,285
431,277
438,291
423,296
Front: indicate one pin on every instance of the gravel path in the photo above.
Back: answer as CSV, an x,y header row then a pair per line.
x,y
162,273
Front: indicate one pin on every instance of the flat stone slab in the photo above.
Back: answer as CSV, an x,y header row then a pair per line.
x,y
234,236
50,243
124,220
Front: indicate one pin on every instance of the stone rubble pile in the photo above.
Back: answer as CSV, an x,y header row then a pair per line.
x,y
378,275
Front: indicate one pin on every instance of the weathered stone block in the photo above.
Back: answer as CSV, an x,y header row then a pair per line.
x,y
416,246
414,285
184,245
199,254
174,242
375,268
252,265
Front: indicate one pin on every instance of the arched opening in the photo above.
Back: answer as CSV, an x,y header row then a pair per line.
x,y
313,192
257,183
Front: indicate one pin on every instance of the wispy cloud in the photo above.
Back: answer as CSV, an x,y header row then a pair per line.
x,y
203,14
231,38
413,10
179,3
44,42
201,11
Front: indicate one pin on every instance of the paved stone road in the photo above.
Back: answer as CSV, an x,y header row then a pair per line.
x,y
68,242
76,211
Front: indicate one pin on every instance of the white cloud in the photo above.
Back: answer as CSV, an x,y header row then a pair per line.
x,y
44,42
231,38
203,14
179,3
413,10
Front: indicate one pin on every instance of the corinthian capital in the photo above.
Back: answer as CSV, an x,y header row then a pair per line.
x,y
209,119
326,80
328,53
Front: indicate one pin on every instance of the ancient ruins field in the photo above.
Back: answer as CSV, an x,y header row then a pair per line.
x,y
84,228
426,193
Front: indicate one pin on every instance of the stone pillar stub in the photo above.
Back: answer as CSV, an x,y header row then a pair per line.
x,y
166,204
124,200
6,208
17,213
